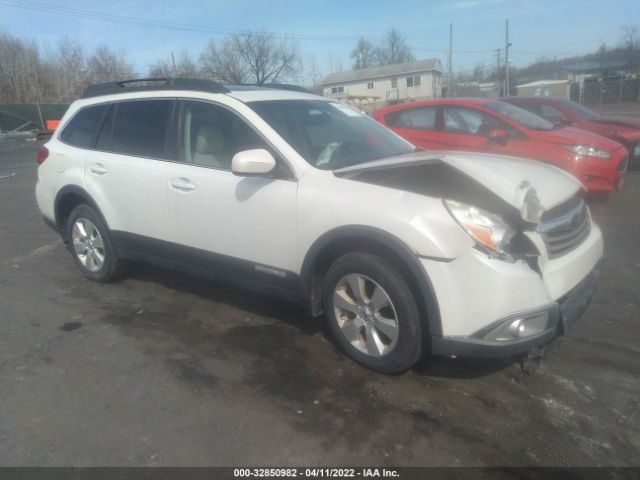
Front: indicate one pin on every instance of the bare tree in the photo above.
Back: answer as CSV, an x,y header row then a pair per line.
x,y
602,55
185,67
630,45
18,70
363,55
313,71
479,72
267,58
223,64
394,49
335,65
106,65
70,65
161,69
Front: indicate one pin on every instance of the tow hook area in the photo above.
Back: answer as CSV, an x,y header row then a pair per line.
x,y
530,362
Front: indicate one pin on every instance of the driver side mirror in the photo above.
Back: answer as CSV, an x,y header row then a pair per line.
x,y
252,162
498,134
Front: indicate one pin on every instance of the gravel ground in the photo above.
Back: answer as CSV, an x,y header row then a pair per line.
x,y
168,369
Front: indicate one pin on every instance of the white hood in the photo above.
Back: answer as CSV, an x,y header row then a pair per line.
x,y
510,178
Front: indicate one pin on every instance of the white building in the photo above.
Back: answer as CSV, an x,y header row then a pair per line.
x,y
371,88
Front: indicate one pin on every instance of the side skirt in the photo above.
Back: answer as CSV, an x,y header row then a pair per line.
x,y
214,266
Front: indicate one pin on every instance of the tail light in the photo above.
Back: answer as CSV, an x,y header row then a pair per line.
x,y
43,153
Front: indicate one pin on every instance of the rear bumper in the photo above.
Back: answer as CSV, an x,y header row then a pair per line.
x,y
562,315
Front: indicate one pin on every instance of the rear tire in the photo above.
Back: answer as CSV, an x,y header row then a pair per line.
x,y
90,244
372,313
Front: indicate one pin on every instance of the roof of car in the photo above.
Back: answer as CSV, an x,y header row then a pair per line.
x,y
243,92
253,93
534,99
465,101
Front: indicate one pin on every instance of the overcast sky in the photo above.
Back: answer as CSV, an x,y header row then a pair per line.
x,y
328,29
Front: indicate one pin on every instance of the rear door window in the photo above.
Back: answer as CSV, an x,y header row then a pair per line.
x,y
140,128
82,129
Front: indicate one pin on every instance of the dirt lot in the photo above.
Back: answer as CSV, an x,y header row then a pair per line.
x,y
168,369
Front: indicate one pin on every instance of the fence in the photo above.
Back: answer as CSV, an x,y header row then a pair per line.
x,y
29,117
590,91
599,91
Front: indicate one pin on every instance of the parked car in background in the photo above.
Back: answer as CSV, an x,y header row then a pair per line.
x,y
624,130
404,252
492,126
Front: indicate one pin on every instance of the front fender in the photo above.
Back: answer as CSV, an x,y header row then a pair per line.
x,y
358,234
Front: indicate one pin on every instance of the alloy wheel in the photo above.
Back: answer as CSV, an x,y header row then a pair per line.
x,y
88,244
366,315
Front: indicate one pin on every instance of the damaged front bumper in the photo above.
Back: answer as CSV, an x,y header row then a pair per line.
x,y
558,317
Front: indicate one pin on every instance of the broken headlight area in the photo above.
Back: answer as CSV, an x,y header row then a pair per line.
x,y
488,230
493,234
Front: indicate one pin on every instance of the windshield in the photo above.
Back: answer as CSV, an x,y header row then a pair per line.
x,y
330,135
580,110
520,116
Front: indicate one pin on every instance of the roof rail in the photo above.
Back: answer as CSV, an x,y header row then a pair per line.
x,y
279,86
151,84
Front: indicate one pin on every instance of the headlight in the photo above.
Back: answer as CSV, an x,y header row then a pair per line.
x,y
486,228
587,151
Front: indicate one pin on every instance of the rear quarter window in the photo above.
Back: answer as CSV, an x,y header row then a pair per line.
x,y
82,128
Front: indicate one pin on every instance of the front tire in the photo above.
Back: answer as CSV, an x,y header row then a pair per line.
x,y
90,244
372,313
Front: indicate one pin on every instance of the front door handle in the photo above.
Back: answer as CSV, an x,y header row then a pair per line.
x,y
182,184
97,168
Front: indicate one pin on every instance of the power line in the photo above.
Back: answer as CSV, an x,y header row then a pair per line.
x,y
137,21
141,22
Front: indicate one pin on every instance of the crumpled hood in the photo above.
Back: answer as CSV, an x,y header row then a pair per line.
x,y
510,178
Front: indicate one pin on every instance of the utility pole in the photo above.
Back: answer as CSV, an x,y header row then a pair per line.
x,y
498,51
450,89
506,61
173,61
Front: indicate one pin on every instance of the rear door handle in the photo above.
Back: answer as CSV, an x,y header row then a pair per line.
x,y
97,168
182,184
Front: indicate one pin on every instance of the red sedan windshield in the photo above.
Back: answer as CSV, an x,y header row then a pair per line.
x,y
520,116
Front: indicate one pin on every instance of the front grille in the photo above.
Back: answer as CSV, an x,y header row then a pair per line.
x,y
567,228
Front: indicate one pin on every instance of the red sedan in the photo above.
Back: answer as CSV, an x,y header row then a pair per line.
x,y
567,112
484,125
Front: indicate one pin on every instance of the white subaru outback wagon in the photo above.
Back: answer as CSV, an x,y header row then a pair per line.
x,y
405,252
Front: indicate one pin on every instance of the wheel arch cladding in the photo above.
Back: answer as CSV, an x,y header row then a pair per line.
x,y
66,200
346,239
